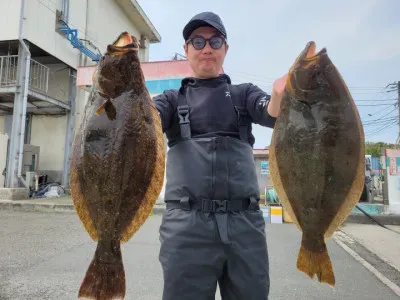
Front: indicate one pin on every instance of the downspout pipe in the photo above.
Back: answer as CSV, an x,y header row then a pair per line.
x,y
24,88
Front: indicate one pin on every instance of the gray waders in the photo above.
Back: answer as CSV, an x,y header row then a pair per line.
x,y
212,230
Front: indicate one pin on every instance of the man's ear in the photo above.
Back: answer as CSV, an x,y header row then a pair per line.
x,y
185,47
226,48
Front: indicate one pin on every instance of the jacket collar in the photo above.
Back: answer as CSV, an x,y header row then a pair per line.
x,y
197,82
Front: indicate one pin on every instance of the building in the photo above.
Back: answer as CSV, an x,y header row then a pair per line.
x,y
42,43
261,160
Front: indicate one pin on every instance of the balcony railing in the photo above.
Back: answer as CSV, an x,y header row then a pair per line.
x,y
38,77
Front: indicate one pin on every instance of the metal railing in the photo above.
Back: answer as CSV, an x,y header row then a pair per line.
x,y
38,77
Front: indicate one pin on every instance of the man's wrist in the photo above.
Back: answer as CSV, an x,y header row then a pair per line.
x,y
274,105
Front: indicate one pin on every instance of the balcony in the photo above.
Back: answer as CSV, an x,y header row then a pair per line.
x,y
39,100
38,77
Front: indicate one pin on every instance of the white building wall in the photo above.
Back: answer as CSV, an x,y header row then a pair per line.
x,y
48,132
39,28
106,21
58,82
9,19
98,21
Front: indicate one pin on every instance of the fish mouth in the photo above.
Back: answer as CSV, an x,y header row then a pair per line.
x,y
306,61
123,44
309,54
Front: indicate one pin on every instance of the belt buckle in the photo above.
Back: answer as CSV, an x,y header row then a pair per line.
x,y
219,206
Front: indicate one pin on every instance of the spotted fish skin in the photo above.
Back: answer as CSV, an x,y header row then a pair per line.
x,y
317,156
117,165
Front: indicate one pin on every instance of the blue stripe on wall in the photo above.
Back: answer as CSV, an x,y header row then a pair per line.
x,y
159,86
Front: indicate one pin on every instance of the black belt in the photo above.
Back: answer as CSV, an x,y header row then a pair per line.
x,y
214,205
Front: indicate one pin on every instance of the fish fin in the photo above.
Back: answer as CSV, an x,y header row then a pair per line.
x,y
316,263
109,108
101,108
105,277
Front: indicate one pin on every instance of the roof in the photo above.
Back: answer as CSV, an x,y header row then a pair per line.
x,y
140,19
168,69
392,152
261,152
153,71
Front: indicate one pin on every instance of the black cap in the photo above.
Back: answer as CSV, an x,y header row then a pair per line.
x,y
204,19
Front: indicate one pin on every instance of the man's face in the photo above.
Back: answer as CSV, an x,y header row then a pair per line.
x,y
205,62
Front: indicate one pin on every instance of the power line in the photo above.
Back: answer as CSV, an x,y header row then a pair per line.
x,y
378,123
382,128
383,104
376,100
382,110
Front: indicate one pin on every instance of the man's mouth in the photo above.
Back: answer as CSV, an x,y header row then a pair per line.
x,y
208,59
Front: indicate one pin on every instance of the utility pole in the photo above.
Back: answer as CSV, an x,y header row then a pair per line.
x,y
396,86
398,107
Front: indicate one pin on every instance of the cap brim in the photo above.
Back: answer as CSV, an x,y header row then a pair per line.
x,y
192,25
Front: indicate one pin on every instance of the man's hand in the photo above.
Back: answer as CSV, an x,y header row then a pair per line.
x,y
278,90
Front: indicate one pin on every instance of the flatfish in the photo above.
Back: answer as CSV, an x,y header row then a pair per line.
x,y
117,164
317,156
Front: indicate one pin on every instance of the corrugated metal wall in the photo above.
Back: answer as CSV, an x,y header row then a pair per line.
x,y
375,165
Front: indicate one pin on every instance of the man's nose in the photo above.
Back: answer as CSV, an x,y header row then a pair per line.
x,y
207,48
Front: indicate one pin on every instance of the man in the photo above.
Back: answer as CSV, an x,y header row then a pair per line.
x,y
213,230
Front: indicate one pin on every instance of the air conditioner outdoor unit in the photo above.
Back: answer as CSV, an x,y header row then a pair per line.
x,y
30,162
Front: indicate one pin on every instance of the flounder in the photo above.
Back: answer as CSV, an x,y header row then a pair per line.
x,y
317,156
117,164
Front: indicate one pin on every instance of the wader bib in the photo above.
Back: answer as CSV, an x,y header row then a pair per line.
x,y
212,230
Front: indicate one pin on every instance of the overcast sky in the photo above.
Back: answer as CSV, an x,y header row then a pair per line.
x,y
362,38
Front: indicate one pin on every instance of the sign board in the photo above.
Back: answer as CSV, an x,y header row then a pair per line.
x,y
393,166
264,164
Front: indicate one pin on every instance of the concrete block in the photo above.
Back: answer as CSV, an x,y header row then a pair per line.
x,y
158,209
372,209
24,206
14,194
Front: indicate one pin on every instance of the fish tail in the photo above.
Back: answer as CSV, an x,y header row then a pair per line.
x,y
316,263
105,277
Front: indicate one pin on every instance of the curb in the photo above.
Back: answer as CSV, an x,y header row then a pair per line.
x,y
158,209
387,273
383,219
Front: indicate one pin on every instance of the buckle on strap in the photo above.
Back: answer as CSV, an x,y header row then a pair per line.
x,y
215,206
219,205
183,113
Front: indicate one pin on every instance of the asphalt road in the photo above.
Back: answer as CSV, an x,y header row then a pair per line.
x,y
45,256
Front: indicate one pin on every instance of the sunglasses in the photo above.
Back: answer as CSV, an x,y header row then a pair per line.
x,y
199,42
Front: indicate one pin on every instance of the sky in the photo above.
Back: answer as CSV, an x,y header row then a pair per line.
x,y
362,38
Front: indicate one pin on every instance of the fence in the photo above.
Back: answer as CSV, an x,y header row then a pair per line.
x,y
38,77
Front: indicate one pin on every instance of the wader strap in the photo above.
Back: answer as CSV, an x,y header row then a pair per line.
x,y
215,206
242,123
242,118
183,114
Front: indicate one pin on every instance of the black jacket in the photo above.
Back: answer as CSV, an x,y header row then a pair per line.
x,y
211,110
